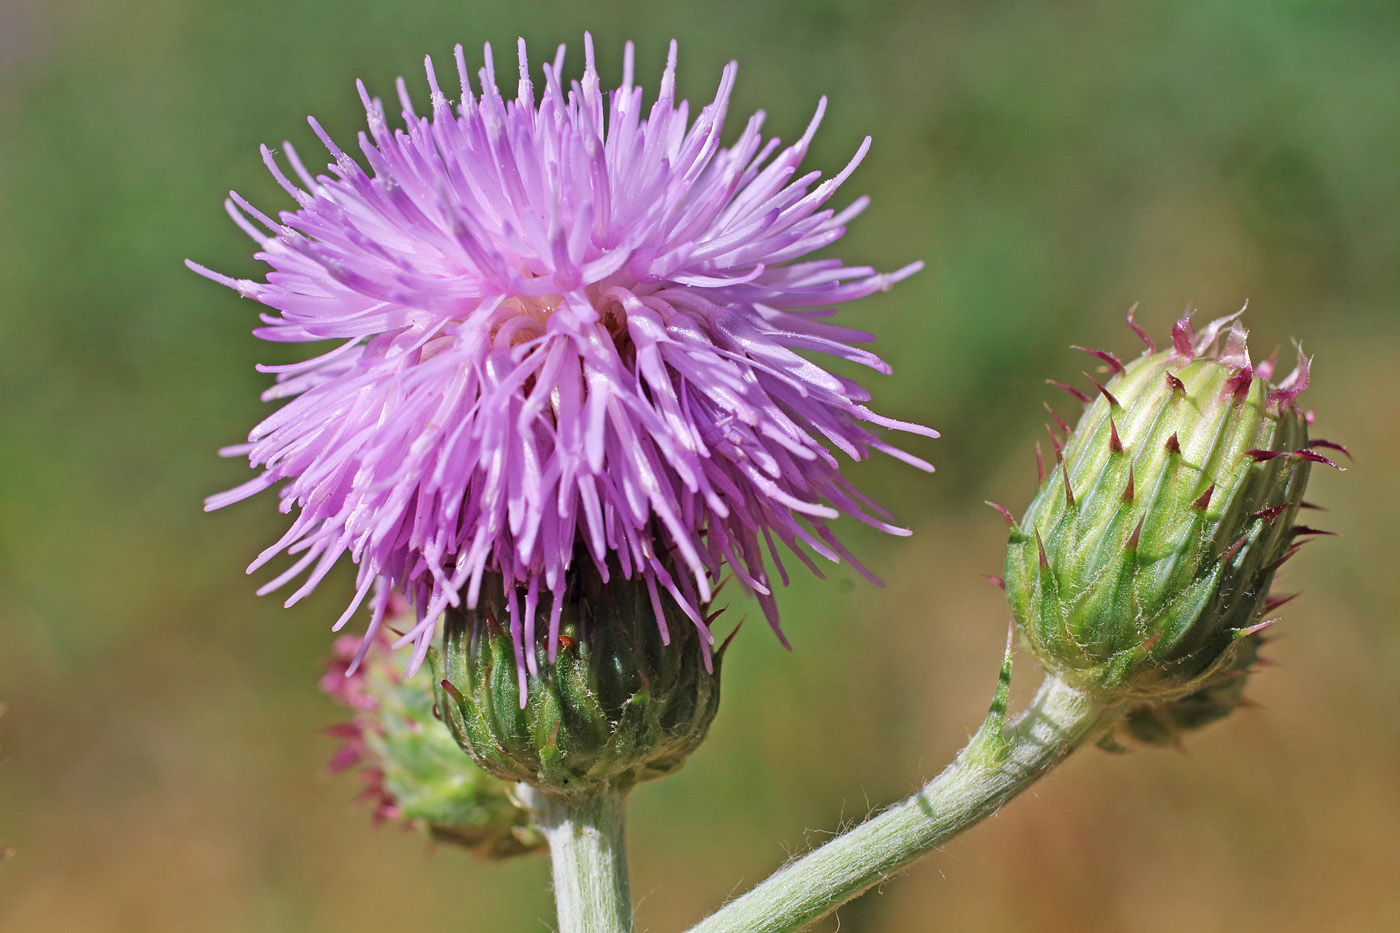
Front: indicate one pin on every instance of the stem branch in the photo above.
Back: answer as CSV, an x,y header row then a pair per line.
x,y
1002,760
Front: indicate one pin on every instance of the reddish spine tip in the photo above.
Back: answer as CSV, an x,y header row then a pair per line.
x,y
1237,386
1136,536
1039,466
1071,390
1312,457
996,581
1128,493
1064,428
1151,641
1142,334
1184,337
1260,456
1040,546
1112,361
1177,386
1115,444
725,646
1203,502
1069,493
1256,627
1273,602
1268,515
1265,370
1308,530
1173,445
1005,513
1331,445
1113,402
1287,555
1059,448
1234,549
1311,506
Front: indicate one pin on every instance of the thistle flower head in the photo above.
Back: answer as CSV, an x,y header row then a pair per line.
x,y
1141,570
566,324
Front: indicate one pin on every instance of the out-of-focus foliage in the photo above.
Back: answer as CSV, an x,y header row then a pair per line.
x,y
1052,162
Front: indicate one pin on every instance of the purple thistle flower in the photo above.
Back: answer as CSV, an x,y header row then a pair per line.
x,y
567,329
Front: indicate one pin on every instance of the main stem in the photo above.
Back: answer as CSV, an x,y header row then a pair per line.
x,y
588,857
1002,760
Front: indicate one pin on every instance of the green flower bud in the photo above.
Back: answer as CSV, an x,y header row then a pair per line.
x,y
413,770
1144,562
614,706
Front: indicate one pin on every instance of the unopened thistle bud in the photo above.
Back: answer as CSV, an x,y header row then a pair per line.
x,y
622,690
1142,567
413,771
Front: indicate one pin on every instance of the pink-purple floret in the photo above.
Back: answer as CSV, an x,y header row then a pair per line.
x,y
565,327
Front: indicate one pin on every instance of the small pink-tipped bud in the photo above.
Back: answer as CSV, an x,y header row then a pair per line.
x,y
413,771
1137,572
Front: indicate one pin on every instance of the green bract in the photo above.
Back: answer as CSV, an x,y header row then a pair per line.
x,y
1145,558
616,705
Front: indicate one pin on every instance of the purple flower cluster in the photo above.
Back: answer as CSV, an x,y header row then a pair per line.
x,y
567,329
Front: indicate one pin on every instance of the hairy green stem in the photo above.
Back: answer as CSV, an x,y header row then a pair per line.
x,y
588,857
1003,759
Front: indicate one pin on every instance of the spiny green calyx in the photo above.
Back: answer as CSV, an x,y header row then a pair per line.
x,y
1143,565
615,706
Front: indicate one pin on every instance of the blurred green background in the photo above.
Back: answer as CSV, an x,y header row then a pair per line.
x,y
1051,162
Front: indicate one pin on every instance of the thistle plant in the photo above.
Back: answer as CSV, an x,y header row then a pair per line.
x,y
573,392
